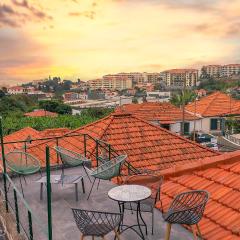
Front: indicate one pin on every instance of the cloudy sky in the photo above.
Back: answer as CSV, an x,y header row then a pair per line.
x,y
89,38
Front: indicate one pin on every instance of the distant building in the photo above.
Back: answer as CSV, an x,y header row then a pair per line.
x,y
71,96
180,77
146,86
212,70
230,69
201,92
221,70
16,90
158,96
111,82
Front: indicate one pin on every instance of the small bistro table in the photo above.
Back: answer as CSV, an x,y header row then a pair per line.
x,y
130,194
59,179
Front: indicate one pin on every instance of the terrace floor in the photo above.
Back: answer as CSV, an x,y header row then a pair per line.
x,y
63,198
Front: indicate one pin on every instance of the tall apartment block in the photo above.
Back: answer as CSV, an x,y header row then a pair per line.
x,y
221,70
179,77
111,82
137,77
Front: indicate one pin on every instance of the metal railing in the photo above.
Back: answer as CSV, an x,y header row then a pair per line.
x,y
232,139
27,222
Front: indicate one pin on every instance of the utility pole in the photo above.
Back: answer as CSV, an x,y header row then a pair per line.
x,y
183,107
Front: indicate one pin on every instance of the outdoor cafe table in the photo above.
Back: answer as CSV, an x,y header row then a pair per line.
x,y
62,179
131,194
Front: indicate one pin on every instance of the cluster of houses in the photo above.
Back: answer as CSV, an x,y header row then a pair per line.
x,y
147,134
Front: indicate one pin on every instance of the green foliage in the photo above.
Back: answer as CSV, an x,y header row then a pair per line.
x,y
182,97
16,103
16,121
97,112
55,106
212,84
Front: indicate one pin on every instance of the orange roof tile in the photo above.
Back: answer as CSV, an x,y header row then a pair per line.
x,y
164,112
20,135
215,104
41,113
146,145
220,176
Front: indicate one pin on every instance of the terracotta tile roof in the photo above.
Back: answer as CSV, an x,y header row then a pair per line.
x,y
146,145
181,70
220,176
164,112
54,132
41,113
20,135
215,104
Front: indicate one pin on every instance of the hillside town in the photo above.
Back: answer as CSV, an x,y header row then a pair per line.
x,y
119,120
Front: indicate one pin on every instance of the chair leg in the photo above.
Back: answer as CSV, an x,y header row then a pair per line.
x,y
152,221
103,237
194,232
92,237
98,184
21,185
117,234
199,232
91,188
86,173
82,237
167,236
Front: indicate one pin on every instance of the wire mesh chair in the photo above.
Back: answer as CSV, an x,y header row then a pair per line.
x,y
148,205
23,164
72,159
107,170
99,224
186,208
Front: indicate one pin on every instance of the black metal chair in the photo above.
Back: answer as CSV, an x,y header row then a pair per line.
x,y
96,224
187,208
148,205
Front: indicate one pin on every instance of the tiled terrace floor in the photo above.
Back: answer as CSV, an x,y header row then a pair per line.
x,y
63,198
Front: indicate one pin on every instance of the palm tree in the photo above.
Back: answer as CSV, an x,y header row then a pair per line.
x,y
184,97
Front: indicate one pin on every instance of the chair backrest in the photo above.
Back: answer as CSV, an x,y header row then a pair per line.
x,y
95,223
69,157
188,207
150,180
22,162
109,169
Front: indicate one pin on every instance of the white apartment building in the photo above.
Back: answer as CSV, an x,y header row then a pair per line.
x,y
111,82
137,77
221,70
179,77
230,69
212,70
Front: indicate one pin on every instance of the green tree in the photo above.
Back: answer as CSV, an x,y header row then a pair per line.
x,y
182,97
55,106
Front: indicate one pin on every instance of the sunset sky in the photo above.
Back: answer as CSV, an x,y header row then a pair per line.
x,y
87,39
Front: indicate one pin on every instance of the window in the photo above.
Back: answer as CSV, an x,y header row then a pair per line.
x,y
215,124
186,128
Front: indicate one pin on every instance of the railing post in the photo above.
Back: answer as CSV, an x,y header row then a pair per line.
x,y
49,197
109,152
16,210
97,152
57,143
30,225
4,165
85,145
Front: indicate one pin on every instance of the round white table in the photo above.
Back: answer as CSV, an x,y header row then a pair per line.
x,y
130,194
